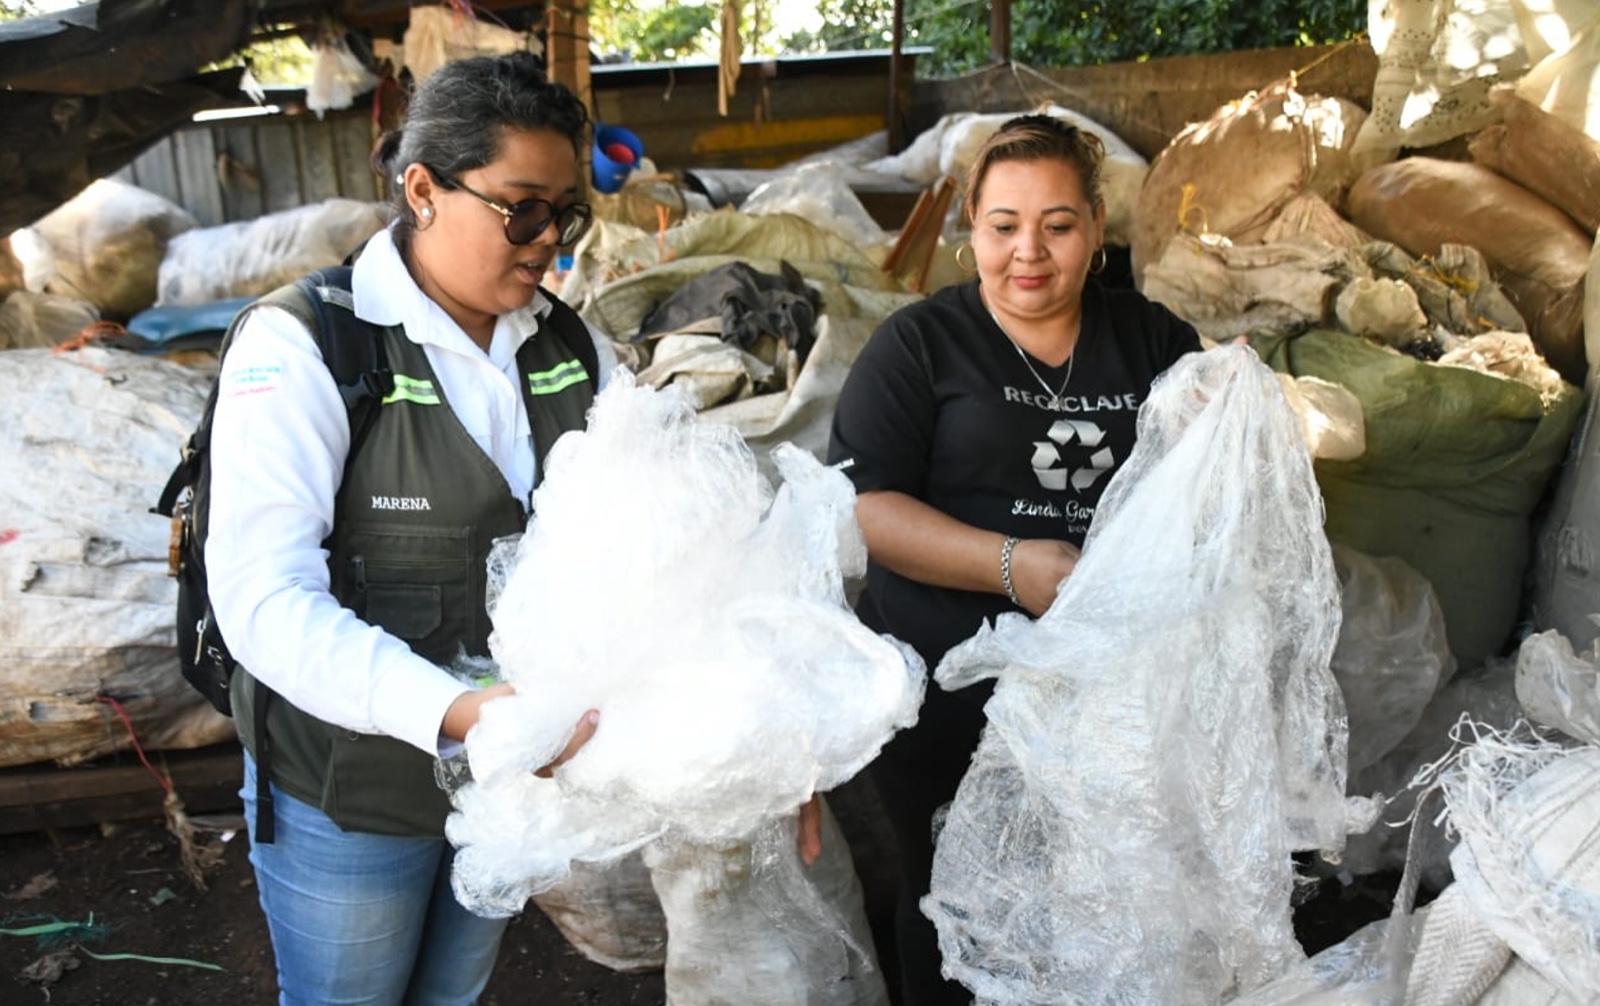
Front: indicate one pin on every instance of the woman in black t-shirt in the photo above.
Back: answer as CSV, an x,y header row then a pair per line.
x,y
980,427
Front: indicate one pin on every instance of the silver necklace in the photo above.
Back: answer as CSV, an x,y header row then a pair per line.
x,y
1055,396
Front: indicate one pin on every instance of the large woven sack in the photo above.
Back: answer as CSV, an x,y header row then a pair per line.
x,y
1456,460
86,605
1565,592
610,914
107,244
29,320
1544,154
248,258
1436,64
1235,172
1539,254
437,34
1564,82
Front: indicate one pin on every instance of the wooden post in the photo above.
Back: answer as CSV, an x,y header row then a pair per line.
x,y
1000,31
566,59
897,63
567,47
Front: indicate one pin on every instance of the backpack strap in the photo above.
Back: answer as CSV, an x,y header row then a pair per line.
x,y
354,350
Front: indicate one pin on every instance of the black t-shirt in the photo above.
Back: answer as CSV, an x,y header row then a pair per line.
x,y
941,406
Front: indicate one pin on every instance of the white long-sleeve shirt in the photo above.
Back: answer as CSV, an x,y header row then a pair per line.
x,y
278,444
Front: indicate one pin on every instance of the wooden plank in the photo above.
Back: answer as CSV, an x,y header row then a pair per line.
x,y
761,139
37,797
195,155
279,165
352,150
155,171
1149,103
567,60
239,172
319,173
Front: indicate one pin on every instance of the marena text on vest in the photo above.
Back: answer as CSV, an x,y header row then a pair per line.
x,y
401,503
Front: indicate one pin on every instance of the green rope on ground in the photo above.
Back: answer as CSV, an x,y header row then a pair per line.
x,y
185,962
57,931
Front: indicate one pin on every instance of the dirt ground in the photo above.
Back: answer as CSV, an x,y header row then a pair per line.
x,y
128,884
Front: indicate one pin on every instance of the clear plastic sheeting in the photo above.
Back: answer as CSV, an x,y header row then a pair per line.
x,y
1368,969
665,583
1484,694
1559,688
1165,736
1393,655
721,901
818,192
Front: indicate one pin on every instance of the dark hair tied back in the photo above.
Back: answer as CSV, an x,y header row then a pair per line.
x,y
455,120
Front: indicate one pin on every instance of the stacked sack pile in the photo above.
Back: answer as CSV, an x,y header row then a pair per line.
x,y
1432,257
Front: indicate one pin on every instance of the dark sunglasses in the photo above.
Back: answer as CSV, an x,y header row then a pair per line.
x,y
526,220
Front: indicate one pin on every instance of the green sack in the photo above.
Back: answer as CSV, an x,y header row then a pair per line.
x,y
1456,462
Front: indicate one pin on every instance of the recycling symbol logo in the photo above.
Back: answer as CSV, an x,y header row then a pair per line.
x,y
1047,463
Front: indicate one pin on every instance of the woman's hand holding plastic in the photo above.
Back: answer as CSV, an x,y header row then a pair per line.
x,y
463,715
580,736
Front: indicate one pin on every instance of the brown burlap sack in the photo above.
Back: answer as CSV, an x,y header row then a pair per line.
x,y
1538,253
1544,154
1233,173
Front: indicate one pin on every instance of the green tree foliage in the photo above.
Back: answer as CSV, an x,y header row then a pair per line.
x,y
11,10
650,33
847,24
1085,32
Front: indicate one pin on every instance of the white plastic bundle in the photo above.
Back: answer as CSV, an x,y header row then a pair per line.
x,y
1166,734
662,583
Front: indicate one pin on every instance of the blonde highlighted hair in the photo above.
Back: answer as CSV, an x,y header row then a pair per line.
x,y
1037,137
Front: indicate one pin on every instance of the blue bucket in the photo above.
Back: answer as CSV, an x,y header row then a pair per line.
x,y
609,174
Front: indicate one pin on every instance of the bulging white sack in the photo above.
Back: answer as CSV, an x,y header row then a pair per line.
x,y
1164,736
664,583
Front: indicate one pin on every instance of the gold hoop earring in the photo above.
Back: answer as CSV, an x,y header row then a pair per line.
x,y
968,247
1096,268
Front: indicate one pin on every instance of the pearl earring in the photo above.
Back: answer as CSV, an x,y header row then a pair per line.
x,y
427,213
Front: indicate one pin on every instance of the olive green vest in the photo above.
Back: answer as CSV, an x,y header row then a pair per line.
x,y
419,509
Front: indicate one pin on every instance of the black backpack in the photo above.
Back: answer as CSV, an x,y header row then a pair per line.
x,y
354,352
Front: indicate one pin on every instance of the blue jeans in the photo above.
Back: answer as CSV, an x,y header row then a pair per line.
x,y
364,920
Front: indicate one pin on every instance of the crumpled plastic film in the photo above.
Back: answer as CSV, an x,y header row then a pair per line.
x,y
1560,688
663,582
1392,656
1167,733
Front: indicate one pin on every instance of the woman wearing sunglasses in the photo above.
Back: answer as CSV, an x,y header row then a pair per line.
x,y
345,580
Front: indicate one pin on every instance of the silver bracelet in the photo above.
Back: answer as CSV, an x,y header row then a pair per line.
x,y
1005,570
